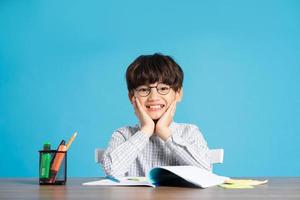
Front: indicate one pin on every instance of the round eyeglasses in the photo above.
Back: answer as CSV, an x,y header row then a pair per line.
x,y
161,88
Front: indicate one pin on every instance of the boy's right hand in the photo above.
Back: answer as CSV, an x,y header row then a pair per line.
x,y
147,124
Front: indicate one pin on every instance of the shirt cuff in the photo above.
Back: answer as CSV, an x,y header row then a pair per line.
x,y
175,140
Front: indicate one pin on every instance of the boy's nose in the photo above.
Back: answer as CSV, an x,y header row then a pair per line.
x,y
153,93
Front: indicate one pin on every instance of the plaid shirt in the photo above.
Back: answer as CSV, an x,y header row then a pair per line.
x,y
133,153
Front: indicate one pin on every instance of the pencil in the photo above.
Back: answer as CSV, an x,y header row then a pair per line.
x,y
71,140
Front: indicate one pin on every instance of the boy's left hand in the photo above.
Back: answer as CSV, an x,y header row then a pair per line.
x,y
162,125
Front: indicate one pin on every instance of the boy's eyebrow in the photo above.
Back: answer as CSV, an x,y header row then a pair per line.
x,y
153,84
145,85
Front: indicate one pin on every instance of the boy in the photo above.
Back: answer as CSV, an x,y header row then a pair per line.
x,y
154,85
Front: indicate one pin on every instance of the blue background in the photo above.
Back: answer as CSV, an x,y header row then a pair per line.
x,y
62,68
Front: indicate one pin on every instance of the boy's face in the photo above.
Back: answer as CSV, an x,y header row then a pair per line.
x,y
158,100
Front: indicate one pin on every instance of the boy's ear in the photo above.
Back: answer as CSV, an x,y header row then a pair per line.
x,y
130,96
179,94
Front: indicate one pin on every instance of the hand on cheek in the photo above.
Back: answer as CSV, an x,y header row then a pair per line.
x,y
147,124
162,125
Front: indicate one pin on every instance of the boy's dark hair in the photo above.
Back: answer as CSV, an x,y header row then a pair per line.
x,y
148,69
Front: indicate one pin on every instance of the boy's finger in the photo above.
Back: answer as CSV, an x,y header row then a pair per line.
x,y
135,107
173,111
138,103
139,106
169,111
173,108
134,103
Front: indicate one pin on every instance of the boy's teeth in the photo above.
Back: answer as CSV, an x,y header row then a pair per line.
x,y
155,106
158,106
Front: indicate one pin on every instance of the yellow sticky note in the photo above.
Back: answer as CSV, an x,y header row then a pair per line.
x,y
236,186
245,182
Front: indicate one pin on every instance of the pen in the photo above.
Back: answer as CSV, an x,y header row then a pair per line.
x,y
58,158
112,179
71,140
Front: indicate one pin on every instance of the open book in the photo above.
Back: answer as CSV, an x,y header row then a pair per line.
x,y
184,176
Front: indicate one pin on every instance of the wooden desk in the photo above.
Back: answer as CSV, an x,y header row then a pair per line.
x,y
277,188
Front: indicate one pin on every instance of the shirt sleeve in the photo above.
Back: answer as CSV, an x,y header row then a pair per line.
x,y
122,152
190,148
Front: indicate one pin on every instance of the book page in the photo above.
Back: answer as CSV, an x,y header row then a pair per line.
x,y
123,181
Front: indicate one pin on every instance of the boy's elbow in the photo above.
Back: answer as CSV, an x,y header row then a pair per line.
x,y
109,167
106,165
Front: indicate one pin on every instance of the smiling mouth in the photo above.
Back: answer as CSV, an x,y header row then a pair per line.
x,y
155,107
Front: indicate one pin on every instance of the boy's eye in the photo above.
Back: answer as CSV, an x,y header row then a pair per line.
x,y
163,88
143,89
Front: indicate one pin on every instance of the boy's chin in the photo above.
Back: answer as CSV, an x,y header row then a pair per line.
x,y
155,118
